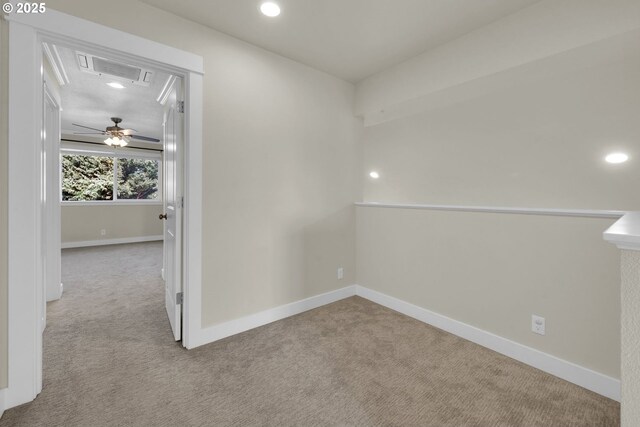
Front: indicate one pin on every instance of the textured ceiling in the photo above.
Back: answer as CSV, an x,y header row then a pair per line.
x,y
87,100
351,39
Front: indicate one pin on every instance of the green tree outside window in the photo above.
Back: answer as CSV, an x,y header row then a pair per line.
x,y
137,179
91,178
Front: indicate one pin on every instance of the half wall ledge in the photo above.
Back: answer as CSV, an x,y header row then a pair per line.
x,y
625,234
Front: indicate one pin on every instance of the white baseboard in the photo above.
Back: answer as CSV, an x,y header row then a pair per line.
x,y
576,374
2,401
58,294
579,375
232,327
83,244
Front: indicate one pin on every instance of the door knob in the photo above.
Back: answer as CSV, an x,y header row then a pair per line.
x,y
162,216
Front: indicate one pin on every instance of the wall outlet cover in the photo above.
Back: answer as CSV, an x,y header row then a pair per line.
x,y
340,273
537,324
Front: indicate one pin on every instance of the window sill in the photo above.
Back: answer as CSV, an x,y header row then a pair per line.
x,y
114,203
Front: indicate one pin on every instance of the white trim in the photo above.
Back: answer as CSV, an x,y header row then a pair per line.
x,y
579,375
83,141
78,29
26,33
103,242
166,90
56,64
58,294
576,374
192,214
625,233
117,202
232,327
60,64
117,156
586,213
2,401
81,149
52,210
24,264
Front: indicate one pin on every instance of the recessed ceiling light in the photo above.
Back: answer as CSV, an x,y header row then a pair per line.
x,y
616,158
374,174
116,85
270,9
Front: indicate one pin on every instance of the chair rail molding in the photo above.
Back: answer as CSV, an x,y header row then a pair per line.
x,y
584,213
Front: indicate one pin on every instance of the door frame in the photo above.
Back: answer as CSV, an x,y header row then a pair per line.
x,y
53,280
26,203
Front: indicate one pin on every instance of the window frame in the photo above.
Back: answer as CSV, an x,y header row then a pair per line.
x,y
120,153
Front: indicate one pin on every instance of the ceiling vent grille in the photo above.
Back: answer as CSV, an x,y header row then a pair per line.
x,y
102,66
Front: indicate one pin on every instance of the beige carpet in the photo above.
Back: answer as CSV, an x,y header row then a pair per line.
x,y
110,361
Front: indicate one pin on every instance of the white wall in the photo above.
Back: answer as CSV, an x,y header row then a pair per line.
x,y
280,145
537,139
282,158
84,223
542,30
493,271
536,144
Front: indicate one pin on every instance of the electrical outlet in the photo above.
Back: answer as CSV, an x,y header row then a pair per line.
x,y
340,273
537,324
103,232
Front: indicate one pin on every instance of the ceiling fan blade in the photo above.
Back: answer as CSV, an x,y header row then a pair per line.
x,y
88,133
87,127
129,132
144,138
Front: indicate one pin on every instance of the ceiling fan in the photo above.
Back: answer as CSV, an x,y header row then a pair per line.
x,y
117,136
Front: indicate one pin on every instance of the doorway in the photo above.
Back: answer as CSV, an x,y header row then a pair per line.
x,y
119,155
29,180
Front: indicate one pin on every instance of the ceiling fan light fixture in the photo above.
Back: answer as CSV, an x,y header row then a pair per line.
x,y
116,136
116,141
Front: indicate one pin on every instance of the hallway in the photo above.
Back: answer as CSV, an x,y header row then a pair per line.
x,y
109,322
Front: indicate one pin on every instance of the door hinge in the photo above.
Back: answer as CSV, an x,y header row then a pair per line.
x,y
182,202
179,298
180,106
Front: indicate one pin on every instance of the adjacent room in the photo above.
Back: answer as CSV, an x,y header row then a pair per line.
x,y
109,193
347,212
110,180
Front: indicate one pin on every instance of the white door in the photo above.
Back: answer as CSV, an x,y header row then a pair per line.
x,y
172,189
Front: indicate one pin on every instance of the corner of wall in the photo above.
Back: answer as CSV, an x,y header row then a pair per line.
x,y
4,50
630,323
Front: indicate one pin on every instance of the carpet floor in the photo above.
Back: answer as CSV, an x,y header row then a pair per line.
x,y
110,360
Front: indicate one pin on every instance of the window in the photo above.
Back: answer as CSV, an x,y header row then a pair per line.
x,y
87,178
137,179
102,177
